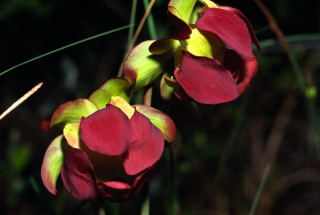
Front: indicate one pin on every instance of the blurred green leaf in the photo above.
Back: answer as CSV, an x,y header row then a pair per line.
x,y
19,157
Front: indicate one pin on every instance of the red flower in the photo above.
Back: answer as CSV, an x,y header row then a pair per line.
x,y
212,51
115,157
226,75
108,147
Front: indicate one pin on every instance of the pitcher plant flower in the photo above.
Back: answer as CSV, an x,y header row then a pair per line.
x,y
211,54
107,147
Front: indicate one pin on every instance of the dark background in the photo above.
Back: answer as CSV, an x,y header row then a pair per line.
x,y
222,150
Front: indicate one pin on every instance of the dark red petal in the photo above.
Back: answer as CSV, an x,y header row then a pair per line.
x,y
248,23
206,80
229,27
250,68
141,179
114,190
244,69
146,146
107,131
78,175
120,191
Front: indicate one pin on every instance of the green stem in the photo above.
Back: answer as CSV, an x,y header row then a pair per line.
x,y
304,88
64,47
150,22
145,210
309,100
132,20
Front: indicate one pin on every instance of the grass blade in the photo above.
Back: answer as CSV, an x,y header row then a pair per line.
x,y
65,47
260,189
132,20
150,22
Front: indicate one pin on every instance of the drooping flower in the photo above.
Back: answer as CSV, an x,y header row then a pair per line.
x,y
211,51
105,151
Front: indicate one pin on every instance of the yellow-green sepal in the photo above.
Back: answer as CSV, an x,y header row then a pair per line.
x,y
142,67
166,89
51,165
182,9
203,44
159,119
113,87
72,134
72,111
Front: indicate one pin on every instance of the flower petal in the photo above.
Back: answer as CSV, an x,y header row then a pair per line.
x,y
115,190
51,165
160,120
229,27
206,80
107,131
113,87
248,23
121,191
72,111
78,174
146,146
243,68
250,67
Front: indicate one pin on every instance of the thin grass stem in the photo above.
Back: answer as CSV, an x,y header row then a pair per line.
x,y
64,47
150,22
135,36
304,88
132,20
20,100
260,189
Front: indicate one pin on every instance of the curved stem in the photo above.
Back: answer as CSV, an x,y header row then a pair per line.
x,y
135,36
63,48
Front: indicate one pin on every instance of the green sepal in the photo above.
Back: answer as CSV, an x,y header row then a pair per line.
x,y
182,9
72,134
72,111
142,67
166,90
159,119
113,87
51,165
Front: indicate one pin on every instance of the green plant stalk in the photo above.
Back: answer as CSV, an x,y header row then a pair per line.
x,y
65,47
260,189
150,22
309,100
132,21
145,210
